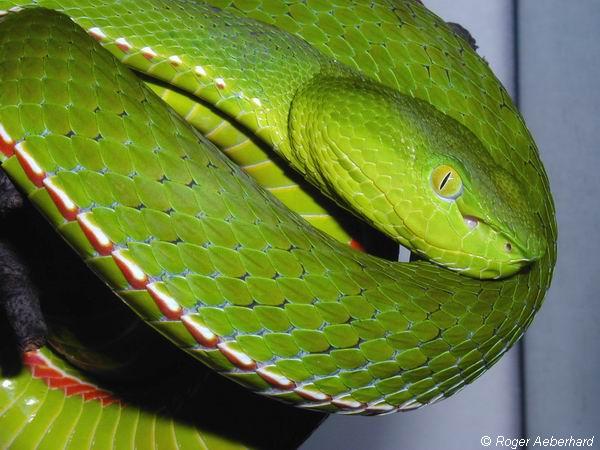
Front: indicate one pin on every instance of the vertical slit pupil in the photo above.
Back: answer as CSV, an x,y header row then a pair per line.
x,y
445,180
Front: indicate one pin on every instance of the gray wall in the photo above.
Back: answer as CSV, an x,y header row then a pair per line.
x,y
559,79
557,75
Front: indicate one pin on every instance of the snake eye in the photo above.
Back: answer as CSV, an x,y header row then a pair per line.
x,y
446,182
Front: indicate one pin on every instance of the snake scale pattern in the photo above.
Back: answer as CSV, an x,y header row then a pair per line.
x,y
378,104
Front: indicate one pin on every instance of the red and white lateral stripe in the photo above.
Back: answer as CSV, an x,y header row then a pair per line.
x,y
97,34
123,44
99,240
63,202
167,304
275,379
133,273
201,333
43,369
33,170
7,144
236,357
148,53
139,280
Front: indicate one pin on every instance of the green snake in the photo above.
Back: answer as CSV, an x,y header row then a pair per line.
x,y
378,104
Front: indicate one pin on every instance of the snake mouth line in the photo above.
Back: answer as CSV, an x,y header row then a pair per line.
x,y
511,245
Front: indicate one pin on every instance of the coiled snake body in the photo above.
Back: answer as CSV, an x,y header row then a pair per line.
x,y
378,104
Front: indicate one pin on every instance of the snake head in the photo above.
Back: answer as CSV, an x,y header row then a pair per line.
x,y
481,206
417,175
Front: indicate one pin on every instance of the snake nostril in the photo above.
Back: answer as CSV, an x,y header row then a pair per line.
x,y
508,247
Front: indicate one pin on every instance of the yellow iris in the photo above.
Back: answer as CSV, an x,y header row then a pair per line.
x,y
446,182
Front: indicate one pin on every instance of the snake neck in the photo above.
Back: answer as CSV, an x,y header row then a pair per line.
x,y
335,126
